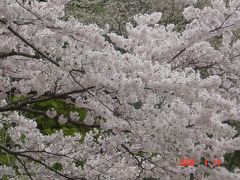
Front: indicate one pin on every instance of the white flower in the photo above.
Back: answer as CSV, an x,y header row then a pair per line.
x,y
148,19
89,120
3,103
62,120
74,116
51,113
5,170
190,13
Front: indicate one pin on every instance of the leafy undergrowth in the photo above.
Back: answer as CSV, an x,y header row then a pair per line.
x,y
48,125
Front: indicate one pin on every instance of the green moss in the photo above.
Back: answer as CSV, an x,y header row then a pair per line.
x,y
79,163
17,98
50,125
57,166
97,8
61,107
6,159
22,138
232,160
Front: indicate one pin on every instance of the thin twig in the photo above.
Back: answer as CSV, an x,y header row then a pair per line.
x,y
38,161
24,166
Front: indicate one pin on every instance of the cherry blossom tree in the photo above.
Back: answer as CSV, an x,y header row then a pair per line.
x,y
152,98
117,13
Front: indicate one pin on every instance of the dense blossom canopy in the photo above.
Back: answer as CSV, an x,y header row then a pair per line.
x,y
152,98
117,13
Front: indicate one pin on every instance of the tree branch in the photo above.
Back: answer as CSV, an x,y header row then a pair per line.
x,y
16,154
76,123
19,105
32,46
24,166
14,53
176,55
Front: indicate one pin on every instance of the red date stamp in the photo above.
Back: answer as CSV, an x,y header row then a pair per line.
x,y
191,162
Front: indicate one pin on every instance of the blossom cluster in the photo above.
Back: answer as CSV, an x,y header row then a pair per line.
x,y
152,97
